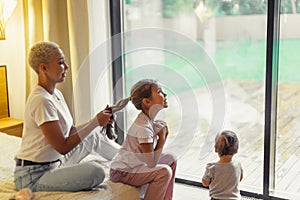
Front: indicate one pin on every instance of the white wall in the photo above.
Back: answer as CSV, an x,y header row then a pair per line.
x,y
12,54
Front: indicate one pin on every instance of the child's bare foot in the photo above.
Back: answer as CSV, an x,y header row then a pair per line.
x,y
24,194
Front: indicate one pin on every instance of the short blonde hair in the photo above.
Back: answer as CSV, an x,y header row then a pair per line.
x,y
227,143
141,90
41,52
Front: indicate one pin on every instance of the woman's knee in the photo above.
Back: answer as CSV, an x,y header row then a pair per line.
x,y
96,172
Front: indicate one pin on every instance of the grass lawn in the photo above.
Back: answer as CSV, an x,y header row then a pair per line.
x,y
233,60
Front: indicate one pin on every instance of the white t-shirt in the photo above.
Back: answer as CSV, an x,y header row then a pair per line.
x,y
130,155
42,107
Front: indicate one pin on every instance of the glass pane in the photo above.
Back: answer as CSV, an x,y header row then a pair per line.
x,y
288,131
210,58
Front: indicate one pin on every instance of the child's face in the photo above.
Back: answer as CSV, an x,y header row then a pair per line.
x,y
158,97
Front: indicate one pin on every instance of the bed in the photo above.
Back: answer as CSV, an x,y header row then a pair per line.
x,y
9,146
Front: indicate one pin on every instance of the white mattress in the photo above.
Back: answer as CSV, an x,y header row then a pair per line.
x,y
9,146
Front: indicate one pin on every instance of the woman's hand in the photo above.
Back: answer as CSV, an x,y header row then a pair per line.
x,y
64,144
103,117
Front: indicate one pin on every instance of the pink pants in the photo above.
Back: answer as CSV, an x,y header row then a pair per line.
x,y
160,179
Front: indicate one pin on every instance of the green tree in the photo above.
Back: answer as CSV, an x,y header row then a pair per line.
x,y
173,8
252,7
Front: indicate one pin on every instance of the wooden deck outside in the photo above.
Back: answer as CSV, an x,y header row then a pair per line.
x,y
244,110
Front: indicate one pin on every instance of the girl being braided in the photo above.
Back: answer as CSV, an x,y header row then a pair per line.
x,y
141,159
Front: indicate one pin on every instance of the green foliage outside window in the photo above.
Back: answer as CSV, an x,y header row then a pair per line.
x,y
173,8
238,7
297,4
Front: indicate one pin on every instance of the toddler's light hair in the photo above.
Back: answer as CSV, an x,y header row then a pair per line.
x,y
227,143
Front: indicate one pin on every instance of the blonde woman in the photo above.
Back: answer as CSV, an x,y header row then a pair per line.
x,y
52,147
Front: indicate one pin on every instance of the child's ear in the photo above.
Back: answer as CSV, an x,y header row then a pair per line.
x,y
146,102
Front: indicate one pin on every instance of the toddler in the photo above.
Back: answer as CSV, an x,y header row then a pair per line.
x,y
223,177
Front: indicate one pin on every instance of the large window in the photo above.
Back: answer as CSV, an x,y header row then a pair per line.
x,y
210,57
287,167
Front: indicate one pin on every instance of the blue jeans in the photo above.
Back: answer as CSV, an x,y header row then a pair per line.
x,y
83,176
70,175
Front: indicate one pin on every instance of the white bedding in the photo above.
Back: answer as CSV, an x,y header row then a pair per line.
x,y
9,146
